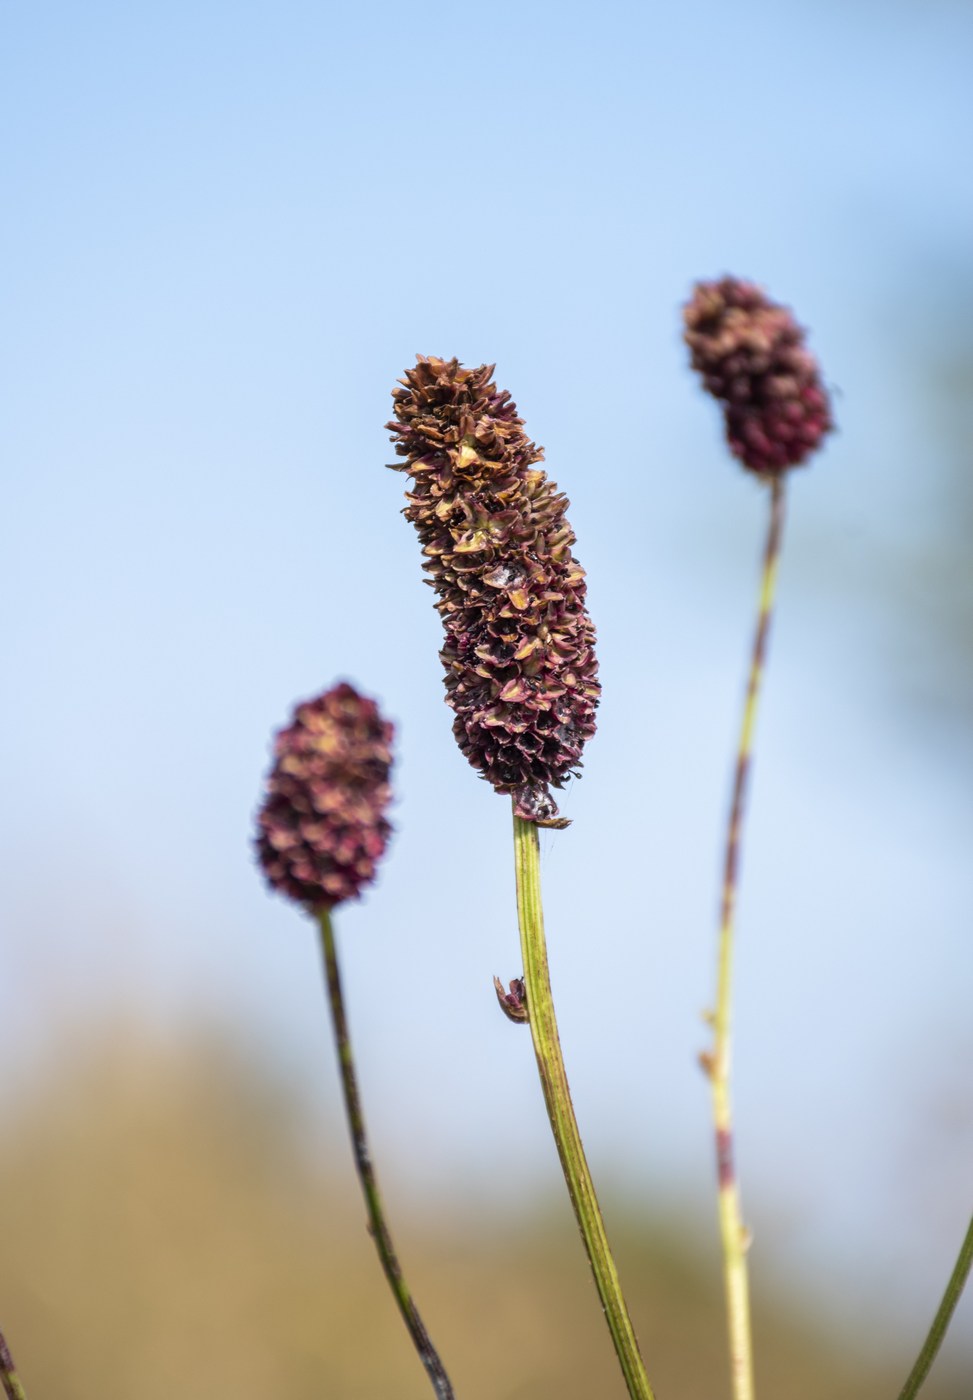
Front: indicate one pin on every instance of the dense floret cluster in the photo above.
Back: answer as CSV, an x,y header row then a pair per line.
x,y
521,673
322,828
752,357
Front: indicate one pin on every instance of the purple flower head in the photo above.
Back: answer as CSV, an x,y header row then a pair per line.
x,y
521,674
752,357
322,829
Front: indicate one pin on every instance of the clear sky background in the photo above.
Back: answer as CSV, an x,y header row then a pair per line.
x,y
228,229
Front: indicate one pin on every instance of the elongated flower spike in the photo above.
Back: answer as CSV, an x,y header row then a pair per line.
x,y
752,358
751,354
322,828
521,674
522,681
321,832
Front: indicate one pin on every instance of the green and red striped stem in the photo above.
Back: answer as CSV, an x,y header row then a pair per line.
x,y
733,1233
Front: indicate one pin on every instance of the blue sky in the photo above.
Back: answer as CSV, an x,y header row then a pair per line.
x,y
228,231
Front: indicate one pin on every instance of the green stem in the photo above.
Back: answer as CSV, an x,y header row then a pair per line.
x,y
8,1374
733,1234
941,1321
557,1096
366,1172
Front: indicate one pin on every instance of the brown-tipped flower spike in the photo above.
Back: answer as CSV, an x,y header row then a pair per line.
x,y
751,355
322,828
521,673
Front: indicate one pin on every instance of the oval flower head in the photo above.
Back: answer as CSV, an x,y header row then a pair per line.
x,y
752,357
521,674
322,828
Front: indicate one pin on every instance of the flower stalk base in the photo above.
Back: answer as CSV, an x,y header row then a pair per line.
x,y
366,1172
560,1111
733,1233
940,1322
9,1379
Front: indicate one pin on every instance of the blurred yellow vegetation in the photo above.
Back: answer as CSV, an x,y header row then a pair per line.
x,y
165,1233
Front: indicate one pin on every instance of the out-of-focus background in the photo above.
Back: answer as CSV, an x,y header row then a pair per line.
x,y
228,230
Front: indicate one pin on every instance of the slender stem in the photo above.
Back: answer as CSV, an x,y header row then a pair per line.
x,y
557,1096
733,1234
366,1172
941,1321
12,1387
